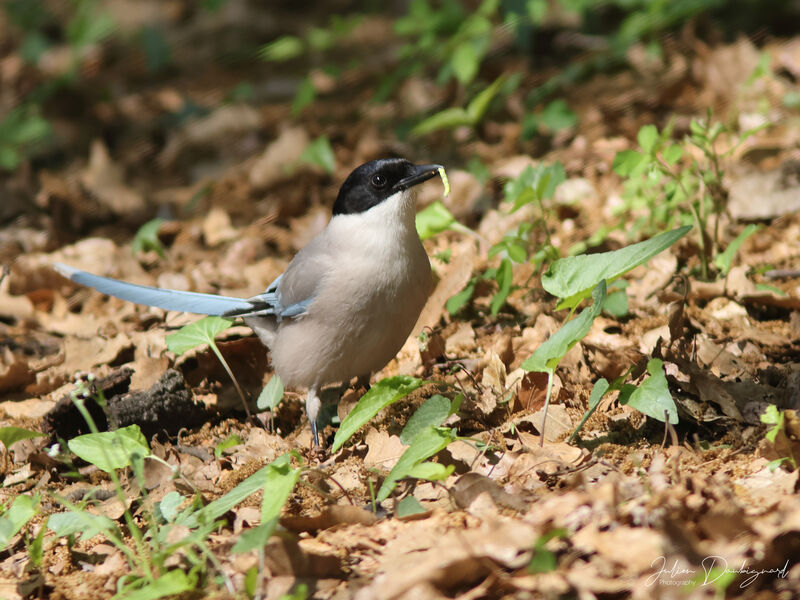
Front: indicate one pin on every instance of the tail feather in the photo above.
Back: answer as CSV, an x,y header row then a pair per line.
x,y
191,302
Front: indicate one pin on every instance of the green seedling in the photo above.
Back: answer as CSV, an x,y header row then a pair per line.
x,y
147,238
422,432
777,436
229,442
432,412
277,480
724,260
572,279
547,356
453,117
382,394
216,509
667,188
111,450
16,516
412,463
424,438
542,559
203,332
319,153
11,435
555,117
533,186
651,397
21,131
271,395
153,542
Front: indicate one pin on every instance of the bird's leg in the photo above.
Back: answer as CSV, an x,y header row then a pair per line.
x,y
313,404
363,381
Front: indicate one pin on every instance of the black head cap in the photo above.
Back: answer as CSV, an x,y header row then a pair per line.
x,y
375,181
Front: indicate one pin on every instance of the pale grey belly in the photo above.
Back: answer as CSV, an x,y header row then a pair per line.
x,y
340,344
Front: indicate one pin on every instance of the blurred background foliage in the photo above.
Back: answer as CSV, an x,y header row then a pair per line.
x,y
67,62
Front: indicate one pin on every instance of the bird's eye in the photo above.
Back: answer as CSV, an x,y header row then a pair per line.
x,y
379,180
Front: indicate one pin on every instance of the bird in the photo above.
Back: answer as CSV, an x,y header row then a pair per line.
x,y
347,301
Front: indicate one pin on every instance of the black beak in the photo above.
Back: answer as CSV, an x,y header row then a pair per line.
x,y
419,173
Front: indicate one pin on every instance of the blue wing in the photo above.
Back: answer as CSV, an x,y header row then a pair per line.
x,y
267,303
271,303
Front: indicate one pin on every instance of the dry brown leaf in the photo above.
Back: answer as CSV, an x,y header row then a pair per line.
x,y
106,182
273,165
331,516
558,420
15,373
384,450
227,121
284,556
217,228
471,485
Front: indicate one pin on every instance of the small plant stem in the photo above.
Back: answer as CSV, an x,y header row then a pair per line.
x,y
546,404
110,536
544,220
142,556
701,232
233,378
698,220
218,565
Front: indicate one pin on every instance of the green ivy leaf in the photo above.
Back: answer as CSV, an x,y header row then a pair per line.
x,y
195,334
652,397
271,395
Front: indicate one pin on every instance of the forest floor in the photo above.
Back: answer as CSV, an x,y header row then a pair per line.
x,y
631,508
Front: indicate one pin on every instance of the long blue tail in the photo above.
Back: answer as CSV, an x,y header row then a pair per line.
x,y
192,302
